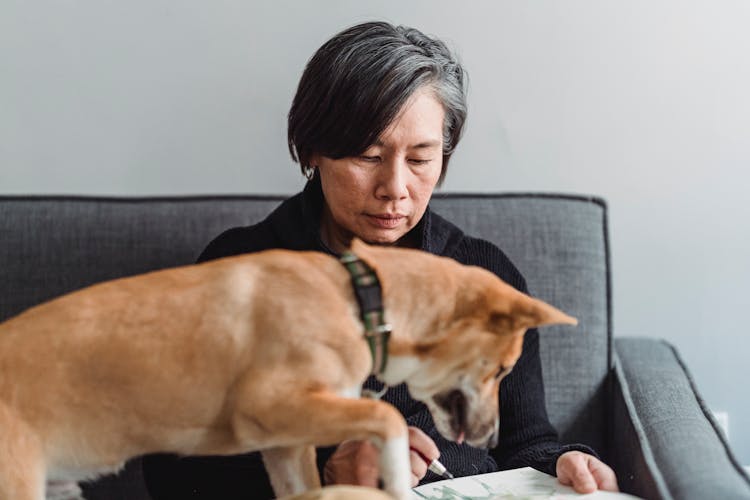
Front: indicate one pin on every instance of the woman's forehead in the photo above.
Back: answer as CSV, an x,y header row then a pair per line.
x,y
419,124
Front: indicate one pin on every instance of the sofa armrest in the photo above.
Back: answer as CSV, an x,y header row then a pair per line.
x,y
666,444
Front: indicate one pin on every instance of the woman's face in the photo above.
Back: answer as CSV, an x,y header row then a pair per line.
x,y
382,194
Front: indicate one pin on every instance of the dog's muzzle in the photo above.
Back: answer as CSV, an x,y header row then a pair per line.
x,y
454,403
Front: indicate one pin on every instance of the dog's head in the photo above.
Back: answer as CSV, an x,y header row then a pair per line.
x,y
460,331
459,373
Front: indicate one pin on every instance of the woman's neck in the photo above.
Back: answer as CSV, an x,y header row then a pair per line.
x,y
332,235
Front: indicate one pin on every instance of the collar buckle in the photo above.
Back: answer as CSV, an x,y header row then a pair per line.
x,y
380,330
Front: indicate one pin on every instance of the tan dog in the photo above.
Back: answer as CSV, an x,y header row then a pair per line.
x,y
255,352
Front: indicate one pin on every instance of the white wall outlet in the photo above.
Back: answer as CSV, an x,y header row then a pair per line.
x,y
722,418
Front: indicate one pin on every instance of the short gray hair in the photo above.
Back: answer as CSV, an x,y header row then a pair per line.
x,y
357,82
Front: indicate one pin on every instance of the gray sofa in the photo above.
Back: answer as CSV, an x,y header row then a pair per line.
x,y
630,398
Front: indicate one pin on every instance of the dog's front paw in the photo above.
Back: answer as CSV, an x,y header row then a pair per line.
x,y
401,495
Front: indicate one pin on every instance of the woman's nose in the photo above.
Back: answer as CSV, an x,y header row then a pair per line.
x,y
392,180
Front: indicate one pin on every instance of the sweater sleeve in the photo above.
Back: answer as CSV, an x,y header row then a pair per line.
x,y
527,438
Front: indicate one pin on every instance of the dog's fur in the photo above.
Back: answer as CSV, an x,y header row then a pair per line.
x,y
254,352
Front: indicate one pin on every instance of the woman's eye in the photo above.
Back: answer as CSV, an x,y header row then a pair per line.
x,y
418,161
370,159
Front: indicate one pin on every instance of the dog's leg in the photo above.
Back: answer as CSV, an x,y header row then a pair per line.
x,y
323,418
19,482
22,467
395,467
291,470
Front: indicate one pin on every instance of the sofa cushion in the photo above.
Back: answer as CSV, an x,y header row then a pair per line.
x,y
52,245
560,244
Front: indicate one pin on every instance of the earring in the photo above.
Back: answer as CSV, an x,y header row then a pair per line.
x,y
310,172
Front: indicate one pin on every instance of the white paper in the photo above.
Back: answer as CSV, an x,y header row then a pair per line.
x,y
517,484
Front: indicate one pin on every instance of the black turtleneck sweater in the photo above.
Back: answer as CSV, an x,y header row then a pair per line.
x,y
526,436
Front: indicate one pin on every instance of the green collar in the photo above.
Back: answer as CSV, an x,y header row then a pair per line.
x,y
369,296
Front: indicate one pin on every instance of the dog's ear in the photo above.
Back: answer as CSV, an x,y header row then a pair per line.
x,y
527,312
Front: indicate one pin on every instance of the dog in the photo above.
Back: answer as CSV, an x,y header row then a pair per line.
x,y
254,352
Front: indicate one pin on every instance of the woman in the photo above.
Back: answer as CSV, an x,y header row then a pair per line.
x,y
378,112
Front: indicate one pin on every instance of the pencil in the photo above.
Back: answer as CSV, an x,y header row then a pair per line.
x,y
435,465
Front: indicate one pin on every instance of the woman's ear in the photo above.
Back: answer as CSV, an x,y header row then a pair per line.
x,y
314,161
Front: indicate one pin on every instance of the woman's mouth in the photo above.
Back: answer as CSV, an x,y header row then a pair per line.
x,y
386,221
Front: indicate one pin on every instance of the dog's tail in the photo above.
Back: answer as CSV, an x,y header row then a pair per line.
x,y
22,465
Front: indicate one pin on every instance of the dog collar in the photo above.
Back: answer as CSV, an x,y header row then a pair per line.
x,y
370,298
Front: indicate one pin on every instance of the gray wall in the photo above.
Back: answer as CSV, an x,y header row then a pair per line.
x,y
644,103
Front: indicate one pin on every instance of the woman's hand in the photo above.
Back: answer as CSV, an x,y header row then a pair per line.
x,y
585,473
357,462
